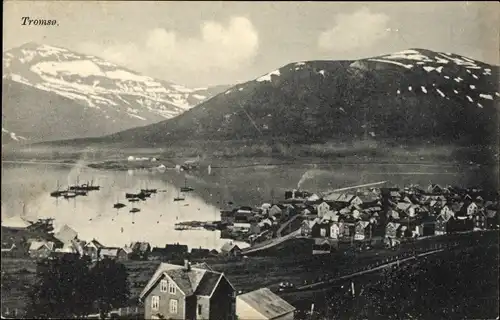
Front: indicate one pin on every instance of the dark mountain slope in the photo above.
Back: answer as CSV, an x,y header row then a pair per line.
x,y
411,96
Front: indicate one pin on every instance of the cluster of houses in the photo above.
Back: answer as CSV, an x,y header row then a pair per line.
x,y
19,242
386,215
23,243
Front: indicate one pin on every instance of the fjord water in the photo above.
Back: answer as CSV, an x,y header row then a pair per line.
x,y
93,216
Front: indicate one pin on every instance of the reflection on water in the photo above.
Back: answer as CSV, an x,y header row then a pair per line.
x,y
94,216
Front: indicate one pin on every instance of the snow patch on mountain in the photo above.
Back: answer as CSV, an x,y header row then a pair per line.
x,y
13,135
93,82
83,68
407,66
440,93
408,55
199,96
136,116
267,77
486,96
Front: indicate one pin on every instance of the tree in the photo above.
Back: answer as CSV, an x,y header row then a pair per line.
x,y
67,288
58,290
110,287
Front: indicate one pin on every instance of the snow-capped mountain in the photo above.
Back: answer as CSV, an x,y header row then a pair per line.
x,y
463,77
121,97
411,96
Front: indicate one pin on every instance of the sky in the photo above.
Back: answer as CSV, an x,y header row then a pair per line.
x,y
210,43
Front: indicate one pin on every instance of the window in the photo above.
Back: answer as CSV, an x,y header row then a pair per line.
x,y
199,309
163,285
173,306
155,302
323,232
171,288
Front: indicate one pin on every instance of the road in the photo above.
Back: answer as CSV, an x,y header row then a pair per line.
x,y
272,243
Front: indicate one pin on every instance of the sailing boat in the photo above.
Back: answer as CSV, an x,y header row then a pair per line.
x,y
57,193
119,205
186,188
179,198
76,186
147,191
69,194
91,187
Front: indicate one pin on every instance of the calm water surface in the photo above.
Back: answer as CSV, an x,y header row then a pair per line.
x,y
93,216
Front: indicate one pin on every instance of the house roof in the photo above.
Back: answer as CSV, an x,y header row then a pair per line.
x,y
193,281
37,245
491,213
109,251
339,197
208,283
94,243
345,210
15,222
265,221
202,265
321,241
7,246
456,207
140,246
310,223
314,197
199,251
228,246
394,224
66,234
363,224
181,248
170,249
403,206
265,206
66,249
331,216
394,194
368,197
275,208
128,250
265,302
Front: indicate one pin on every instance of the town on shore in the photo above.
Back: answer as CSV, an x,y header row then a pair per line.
x,y
378,217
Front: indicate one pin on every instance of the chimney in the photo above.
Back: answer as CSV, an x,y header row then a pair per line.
x,y
187,265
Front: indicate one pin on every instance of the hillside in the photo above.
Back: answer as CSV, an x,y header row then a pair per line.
x,y
413,95
78,95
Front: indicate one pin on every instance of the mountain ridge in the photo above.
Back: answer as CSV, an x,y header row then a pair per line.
x,y
101,88
414,95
